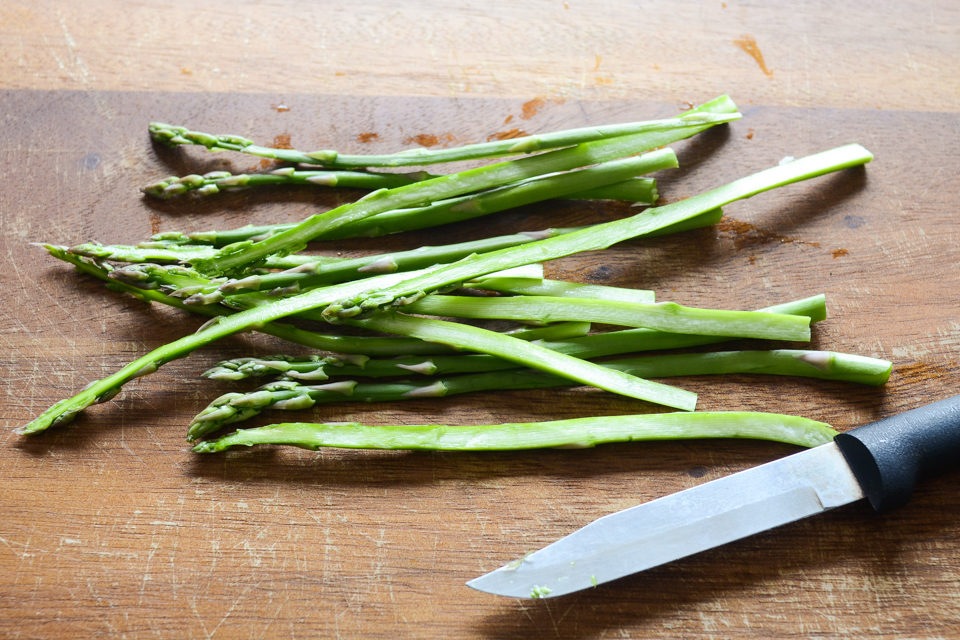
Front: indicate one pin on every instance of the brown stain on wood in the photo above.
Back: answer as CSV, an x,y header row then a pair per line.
x,y
508,119
154,223
837,253
535,106
532,107
748,45
750,135
596,67
506,135
430,140
367,137
745,234
282,141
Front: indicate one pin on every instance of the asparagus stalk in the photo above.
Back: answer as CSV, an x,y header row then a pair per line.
x,y
374,346
585,347
350,362
470,207
173,246
530,355
602,236
310,275
664,316
577,433
292,240
299,394
641,190
369,295
174,136
186,283
366,346
171,253
825,365
211,183
448,210
560,289
630,340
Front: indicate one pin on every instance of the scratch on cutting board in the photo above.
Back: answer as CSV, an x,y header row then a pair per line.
x,y
72,50
232,607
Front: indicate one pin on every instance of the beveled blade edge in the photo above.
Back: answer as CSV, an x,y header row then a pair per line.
x,y
681,524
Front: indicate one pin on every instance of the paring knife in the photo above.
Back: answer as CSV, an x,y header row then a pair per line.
x,y
879,462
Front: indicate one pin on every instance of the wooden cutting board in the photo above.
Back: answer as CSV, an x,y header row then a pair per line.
x,y
111,526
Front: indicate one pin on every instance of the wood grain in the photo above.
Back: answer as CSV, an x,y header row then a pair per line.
x,y
111,528
891,55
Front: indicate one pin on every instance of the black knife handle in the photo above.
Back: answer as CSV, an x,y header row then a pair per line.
x,y
889,455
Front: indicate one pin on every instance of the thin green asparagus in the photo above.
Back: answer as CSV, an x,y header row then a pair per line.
x,y
239,254
295,392
375,346
602,236
213,182
577,433
640,190
446,211
825,365
375,292
664,316
164,253
530,355
708,114
632,340
310,275
585,347
558,288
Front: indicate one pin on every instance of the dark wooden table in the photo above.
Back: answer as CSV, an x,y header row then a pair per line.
x,y
111,527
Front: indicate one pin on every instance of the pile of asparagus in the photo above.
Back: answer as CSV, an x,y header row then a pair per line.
x,y
248,279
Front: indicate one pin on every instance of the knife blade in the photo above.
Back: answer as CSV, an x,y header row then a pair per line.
x,y
880,462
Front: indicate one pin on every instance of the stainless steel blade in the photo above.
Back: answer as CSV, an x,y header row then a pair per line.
x,y
681,524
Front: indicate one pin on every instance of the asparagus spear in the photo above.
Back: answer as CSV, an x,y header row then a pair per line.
x,y
577,433
530,355
174,136
310,275
170,253
369,345
587,346
211,183
642,190
665,316
299,394
558,288
380,290
825,365
179,248
315,367
469,206
239,254
602,236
